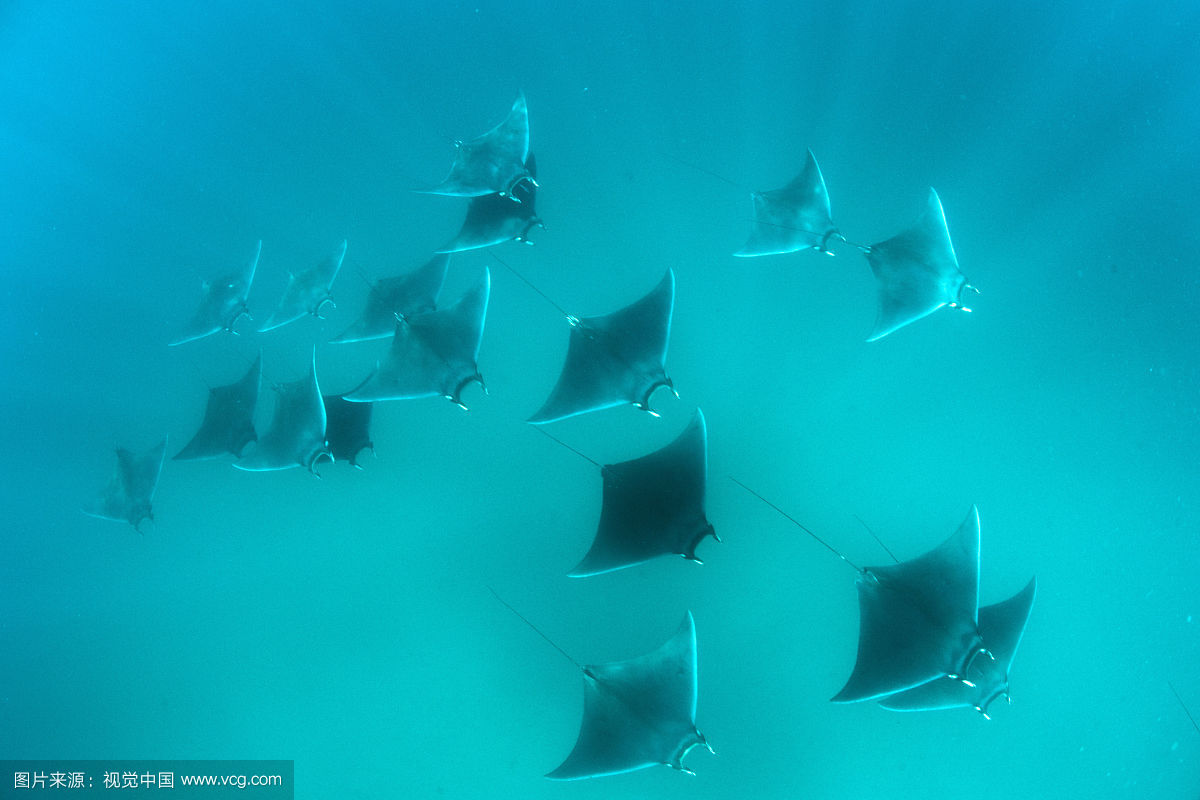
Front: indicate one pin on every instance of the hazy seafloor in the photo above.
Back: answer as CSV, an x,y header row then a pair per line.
x,y
346,622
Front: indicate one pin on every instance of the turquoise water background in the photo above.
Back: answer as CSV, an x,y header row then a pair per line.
x,y
346,622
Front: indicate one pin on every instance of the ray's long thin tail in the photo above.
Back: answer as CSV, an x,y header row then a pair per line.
x,y
200,374
531,285
800,525
362,273
536,629
878,541
705,171
1183,705
579,453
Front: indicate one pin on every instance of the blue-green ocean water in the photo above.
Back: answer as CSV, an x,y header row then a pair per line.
x,y
346,622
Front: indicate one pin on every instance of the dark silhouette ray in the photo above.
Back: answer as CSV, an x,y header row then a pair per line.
x,y
228,424
653,505
347,428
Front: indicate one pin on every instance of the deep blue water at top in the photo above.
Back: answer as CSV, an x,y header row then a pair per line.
x,y
346,622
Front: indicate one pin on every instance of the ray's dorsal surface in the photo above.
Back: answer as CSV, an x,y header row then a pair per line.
x,y
638,713
615,359
296,437
222,302
796,217
917,272
1001,626
347,428
228,424
653,505
493,163
130,493
494,218
432,354
401,296
918,618
307,292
